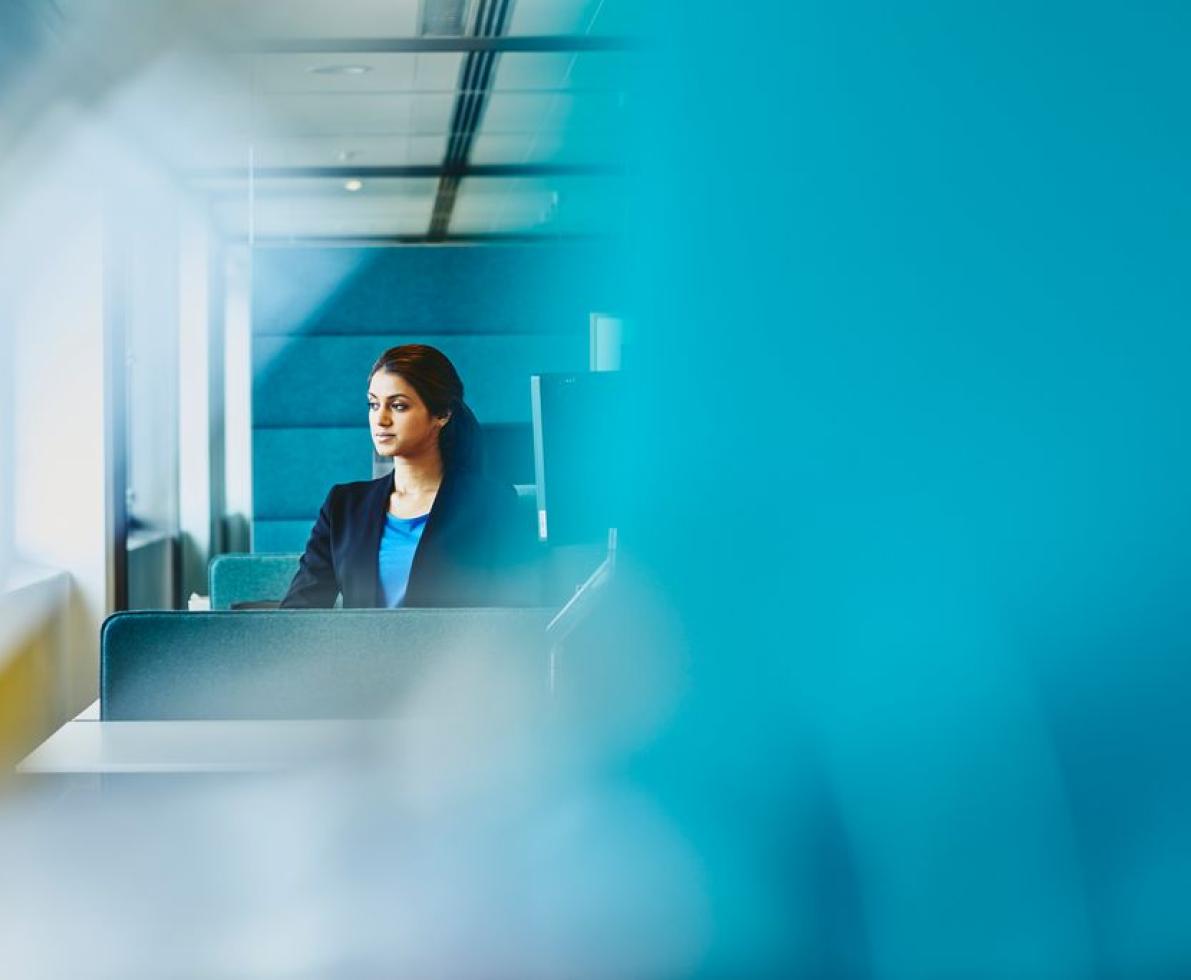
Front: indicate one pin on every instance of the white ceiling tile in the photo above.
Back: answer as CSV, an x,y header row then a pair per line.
x,y
432,114
584,71
483,206
534,128
322,190
569,205
297,72
491,205
317,18
426,149
542,147
438,72
313,115
287,225
378,114
345,150
476,208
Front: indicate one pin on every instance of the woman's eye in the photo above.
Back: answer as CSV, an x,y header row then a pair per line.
x,y
401,408
372,406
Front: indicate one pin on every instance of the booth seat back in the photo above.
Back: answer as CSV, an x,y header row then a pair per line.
x,y
236,579
318,663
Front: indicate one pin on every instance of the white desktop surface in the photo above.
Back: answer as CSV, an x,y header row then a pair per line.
x,y
96,747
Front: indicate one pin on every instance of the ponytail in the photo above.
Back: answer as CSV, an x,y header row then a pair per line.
x,y
461,441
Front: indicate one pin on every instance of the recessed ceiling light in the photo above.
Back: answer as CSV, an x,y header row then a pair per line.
x,y
340,70
353,185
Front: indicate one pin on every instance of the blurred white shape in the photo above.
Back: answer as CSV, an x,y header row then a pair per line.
x,y
474,840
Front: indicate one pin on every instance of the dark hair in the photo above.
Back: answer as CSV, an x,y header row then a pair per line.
x,y
438,384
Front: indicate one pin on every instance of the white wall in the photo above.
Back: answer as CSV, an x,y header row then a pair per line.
x,y
194,464
59,481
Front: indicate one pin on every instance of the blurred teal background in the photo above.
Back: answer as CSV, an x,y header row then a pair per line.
x,y
912,455
901,653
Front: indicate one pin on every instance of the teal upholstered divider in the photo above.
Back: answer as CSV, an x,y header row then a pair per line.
x,y
428,289
294,468
316,663
274,536
495,371
322,315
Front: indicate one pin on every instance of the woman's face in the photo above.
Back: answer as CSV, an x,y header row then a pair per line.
x,y
399,420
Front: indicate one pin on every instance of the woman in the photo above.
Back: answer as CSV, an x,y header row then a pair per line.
x,y
435,532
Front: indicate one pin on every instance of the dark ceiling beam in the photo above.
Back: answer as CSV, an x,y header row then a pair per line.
x,y
419,45
475,84
457,171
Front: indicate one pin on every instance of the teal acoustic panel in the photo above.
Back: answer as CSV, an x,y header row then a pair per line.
x,y
322,381
280,536
292,469
430,289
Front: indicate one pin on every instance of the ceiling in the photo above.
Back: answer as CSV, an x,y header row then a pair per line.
x,y
314,119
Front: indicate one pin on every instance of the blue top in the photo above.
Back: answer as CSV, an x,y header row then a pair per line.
x,y
397,547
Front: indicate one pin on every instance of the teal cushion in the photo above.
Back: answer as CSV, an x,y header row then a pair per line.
x,y
234,579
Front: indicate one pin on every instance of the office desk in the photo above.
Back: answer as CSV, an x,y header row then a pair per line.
x,y
85,747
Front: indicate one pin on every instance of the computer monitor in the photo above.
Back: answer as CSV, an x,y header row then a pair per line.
x,y
575,440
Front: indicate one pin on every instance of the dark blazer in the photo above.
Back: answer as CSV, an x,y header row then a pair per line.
x,y
474,550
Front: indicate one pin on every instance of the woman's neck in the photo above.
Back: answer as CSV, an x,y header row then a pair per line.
x,y
418,474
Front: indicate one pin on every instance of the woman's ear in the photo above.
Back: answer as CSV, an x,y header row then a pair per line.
x,y
443,419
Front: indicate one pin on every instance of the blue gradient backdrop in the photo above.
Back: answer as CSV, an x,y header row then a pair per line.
x,y
911,446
